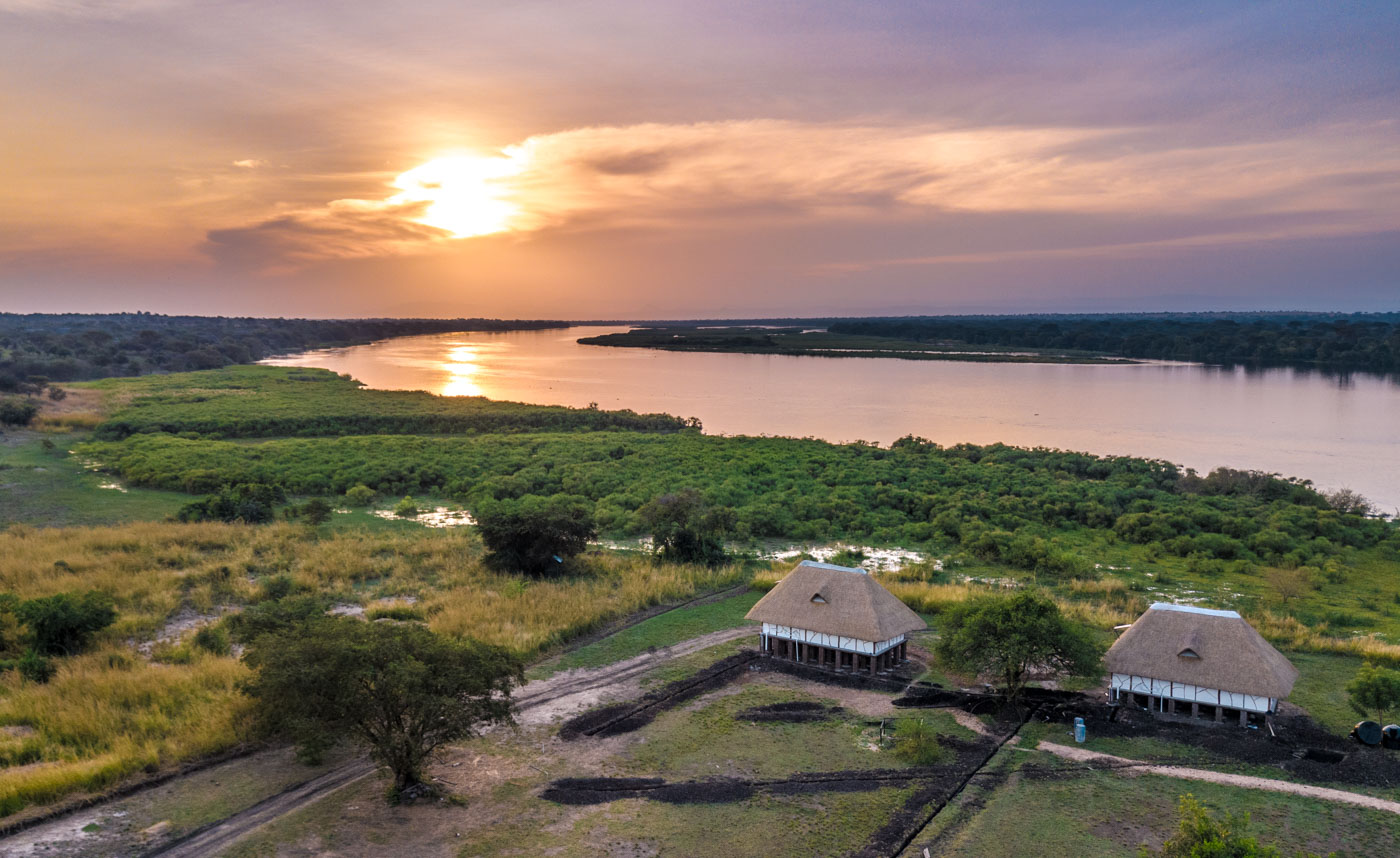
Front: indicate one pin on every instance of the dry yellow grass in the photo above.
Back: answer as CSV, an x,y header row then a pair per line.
x,y
113,712
1289,633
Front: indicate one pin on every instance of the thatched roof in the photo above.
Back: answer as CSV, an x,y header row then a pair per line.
x,y
836,600
1197,646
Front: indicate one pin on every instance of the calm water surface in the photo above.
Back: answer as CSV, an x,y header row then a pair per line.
x,y
1337,433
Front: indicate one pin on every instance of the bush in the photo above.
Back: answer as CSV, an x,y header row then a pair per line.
x,y
359,495
63,624
250,503
213,639
36,668
916,742
17,412
406,508
536,535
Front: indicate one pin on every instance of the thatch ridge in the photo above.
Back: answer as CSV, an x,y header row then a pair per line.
x,y
1232,656
853,605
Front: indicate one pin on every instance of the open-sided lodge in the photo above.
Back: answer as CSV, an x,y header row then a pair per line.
x,y
834,617
1180,660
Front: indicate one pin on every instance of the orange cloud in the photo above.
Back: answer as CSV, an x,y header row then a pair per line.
x,y
692,175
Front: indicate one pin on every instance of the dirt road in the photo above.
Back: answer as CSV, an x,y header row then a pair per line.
x,y
538,702
1246,781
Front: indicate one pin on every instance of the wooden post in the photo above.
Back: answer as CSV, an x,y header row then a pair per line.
x,y
1195,710
1244,717
1219,713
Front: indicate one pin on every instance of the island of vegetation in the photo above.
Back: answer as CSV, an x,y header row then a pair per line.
x,y
799,342
1335,342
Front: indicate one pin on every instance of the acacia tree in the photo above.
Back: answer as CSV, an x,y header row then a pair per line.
x,y
1374,690
1009,636
399,689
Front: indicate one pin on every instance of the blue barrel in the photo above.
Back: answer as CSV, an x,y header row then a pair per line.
x,y
1079,729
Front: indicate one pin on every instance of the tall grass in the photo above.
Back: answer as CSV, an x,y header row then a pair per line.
x,y
112,713
1290,633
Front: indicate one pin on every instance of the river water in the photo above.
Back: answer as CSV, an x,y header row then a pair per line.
x,y
1337,432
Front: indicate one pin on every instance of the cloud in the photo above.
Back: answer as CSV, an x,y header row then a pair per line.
x,y
694,176
250,163
345,229
100,9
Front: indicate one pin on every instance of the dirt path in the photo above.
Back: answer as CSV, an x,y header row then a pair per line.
x,y
220,836
1246,781
571,691
538,702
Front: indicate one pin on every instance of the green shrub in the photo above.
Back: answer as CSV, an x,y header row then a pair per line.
x,y
36,668
406,508
64,623
359,495
213,639
916,742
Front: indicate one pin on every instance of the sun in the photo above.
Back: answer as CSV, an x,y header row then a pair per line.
x,y
465,194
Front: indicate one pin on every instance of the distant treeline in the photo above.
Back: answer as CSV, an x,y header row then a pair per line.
x,y
77,347
1367,342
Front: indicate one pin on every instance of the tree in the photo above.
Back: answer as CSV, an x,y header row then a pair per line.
x,y
1374,690
251,503
17,412
684,527
316,511
399,689
536,535
57,394
63,624
1199,835
1009,636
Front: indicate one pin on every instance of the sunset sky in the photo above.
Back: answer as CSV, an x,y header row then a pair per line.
x,y
666,159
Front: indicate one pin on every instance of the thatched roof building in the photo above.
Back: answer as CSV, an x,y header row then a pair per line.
x,y
1213,659
834,616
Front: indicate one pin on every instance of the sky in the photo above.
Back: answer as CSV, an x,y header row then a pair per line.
x,y
672,159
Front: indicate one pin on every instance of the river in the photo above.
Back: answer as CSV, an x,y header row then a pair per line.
x,y
1337,432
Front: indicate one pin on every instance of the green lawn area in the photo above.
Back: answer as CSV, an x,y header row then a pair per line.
x,y
709,740
667,629
1104,815
51,488
1321,688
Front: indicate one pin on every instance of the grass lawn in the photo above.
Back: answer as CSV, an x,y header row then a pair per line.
x,y
1108,815
1321,688
709,740
670,628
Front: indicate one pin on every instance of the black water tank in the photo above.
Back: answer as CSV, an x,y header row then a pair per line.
x,y
1367,733
1390,736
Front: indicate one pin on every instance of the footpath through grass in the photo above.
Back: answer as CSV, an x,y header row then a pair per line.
x,y
667,629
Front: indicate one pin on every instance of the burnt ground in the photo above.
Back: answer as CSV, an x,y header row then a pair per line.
x,y
792,712
934,786
1299,746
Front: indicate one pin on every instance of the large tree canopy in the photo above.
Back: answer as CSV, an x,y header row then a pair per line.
x,y
400,689
536,535
1008,637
